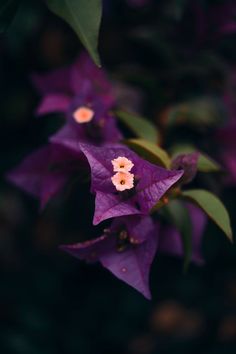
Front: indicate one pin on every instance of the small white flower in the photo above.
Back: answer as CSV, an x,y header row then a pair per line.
x,y
122,164
123,181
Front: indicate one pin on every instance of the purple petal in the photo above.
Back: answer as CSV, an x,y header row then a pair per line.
x,y
28,174
171,241
108,206
79,132
139,228
54,103
44,173
132,265
50,186
92,250
154,183
66,135
111,133
55,81
188,163
85,69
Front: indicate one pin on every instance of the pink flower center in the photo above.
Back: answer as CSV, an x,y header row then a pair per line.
x,y
83,115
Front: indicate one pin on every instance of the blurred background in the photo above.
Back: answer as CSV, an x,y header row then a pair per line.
x,y
160,55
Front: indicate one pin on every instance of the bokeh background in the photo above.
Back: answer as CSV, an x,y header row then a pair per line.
x,y
158,54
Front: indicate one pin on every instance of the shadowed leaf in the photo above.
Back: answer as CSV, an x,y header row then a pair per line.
x,y
179,216
205,163
84,16
139,126
149,151
213,207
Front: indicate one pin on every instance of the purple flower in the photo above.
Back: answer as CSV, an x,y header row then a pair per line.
x,y
188,163
74,90
170,241
45,172
126,249
151,182
68,80
101,128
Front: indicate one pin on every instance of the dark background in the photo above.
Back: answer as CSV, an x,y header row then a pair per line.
x,y
51,303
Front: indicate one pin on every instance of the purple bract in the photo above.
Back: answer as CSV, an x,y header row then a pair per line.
x,y
151,182
188,163
79,86
126,249
45,172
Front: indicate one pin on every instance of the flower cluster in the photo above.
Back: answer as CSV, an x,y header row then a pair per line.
x,y
126,187
83,94
123,179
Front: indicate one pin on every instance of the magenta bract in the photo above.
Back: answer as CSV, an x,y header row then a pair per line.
x,y
45,172
126,249
151,182
80,85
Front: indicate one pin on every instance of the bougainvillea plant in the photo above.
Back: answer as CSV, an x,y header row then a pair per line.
x,y
141,188
135,184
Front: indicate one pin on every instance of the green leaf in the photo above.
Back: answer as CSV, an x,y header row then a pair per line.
x,y
205,163
140,126
199,113
149,151
213,207
84,16
8,10
179,216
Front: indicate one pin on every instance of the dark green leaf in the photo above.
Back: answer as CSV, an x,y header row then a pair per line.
x,y
199,113
84,16
140,126
179,216
213,207
149,151
8,10
205,163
